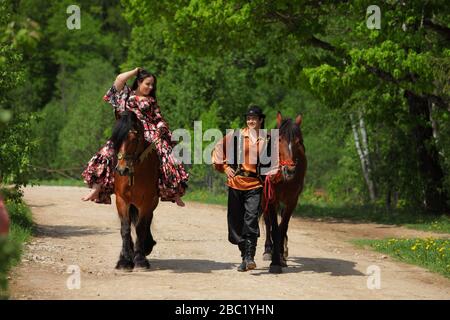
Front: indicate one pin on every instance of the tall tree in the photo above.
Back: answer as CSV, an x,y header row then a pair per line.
x,y
332,49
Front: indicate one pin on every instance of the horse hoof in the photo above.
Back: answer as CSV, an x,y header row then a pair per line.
x,y
285,254
283,263
141,269
141,265
275,269
267,257
124,265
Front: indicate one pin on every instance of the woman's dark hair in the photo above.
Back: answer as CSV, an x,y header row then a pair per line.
x,y
142,74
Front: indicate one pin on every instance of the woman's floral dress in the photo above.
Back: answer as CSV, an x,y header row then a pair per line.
x,y
100,169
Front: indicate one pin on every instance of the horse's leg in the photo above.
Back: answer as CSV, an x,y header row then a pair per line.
x,y
285,217
149,242
286,249
267,256
275,266
126,255
142,231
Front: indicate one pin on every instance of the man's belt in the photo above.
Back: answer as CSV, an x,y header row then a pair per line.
x,y
245,173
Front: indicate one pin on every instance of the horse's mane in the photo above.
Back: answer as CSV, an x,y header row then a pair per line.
x,y
126,122
289,130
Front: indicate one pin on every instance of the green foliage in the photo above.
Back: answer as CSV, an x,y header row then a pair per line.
x,y
75,48
214,58
15,151
90,119
329,51
205,196
71,131
8,252
50,121
20,231
73,69
19,213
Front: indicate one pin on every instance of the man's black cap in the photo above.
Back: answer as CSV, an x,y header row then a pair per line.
x,y
255,111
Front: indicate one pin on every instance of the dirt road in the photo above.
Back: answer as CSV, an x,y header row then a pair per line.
x,y
193,259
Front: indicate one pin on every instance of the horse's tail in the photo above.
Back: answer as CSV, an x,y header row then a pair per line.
x,y
134,214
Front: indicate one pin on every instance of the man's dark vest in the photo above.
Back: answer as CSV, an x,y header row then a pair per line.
x,y
237,142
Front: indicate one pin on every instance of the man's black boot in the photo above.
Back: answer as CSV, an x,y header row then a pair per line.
x,y
248,261
243,266
241,246
250,252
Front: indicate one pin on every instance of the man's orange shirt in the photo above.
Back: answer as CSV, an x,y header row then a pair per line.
x,y
220,159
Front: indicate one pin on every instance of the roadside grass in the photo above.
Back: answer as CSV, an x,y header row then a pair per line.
x,y
207,197
432,254
11,247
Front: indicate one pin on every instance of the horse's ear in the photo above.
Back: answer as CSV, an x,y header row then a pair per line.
x,y
298,120
279,118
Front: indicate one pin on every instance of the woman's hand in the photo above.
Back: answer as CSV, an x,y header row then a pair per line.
x,y
230,172
122,78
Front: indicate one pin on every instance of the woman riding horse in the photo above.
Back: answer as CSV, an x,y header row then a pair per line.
x,y
140,99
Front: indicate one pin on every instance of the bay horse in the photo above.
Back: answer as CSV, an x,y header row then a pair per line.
x,y
281,193
136,190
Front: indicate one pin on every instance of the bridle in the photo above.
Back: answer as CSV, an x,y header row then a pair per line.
x,y
134,158
285,164
281,176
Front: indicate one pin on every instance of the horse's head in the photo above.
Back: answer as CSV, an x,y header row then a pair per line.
x,y
291,149
128,139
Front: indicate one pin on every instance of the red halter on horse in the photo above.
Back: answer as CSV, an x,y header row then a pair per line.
x,y
282,191
136,190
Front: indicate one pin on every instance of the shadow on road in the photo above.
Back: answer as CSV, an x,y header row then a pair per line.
x,y
41,205
335,267
190,265
64,232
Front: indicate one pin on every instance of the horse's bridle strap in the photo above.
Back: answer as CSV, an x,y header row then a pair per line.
x,y
139,158
146,152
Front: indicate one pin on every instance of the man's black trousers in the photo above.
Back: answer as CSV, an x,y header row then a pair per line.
x,y
244,209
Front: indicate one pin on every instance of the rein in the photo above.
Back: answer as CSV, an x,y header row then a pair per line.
x,y
269,184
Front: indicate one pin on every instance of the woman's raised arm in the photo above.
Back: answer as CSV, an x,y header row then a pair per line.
x,y
122,78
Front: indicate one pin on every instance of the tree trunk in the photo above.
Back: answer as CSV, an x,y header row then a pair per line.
x,y
63,88
389,199
434,195
363,153
365,150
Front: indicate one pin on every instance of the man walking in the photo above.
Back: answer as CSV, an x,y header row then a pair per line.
x,y
238,156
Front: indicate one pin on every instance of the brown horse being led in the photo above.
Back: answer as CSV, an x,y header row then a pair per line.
x,y
285,191
136,190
